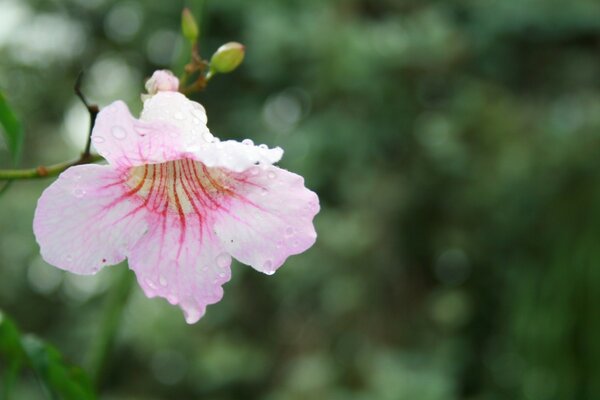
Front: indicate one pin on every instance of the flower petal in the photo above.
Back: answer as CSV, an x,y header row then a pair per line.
x,y
181,260
171,127
125,141
269,218
85,220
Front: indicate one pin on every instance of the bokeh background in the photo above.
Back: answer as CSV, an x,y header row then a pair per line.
x,y
455,148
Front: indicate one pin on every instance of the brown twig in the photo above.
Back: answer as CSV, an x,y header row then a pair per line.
x,y
93,110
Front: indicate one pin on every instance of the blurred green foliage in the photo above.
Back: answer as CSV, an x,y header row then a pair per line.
x,y
454,148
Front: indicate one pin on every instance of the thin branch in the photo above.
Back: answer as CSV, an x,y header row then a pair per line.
x,y
93,110
53,170
45,171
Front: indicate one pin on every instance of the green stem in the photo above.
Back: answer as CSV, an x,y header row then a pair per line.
x,y
44,172
109,326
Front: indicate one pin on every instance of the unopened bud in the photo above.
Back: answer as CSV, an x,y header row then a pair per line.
x,y
227,58
189,26
162,81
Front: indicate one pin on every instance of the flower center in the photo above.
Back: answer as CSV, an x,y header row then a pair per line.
x,y
182,186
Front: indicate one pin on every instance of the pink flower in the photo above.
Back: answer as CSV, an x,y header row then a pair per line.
x,y
176,202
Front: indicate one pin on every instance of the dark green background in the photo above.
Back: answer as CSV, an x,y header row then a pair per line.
x,y
455,149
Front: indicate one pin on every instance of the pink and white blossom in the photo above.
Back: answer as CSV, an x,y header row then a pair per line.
x,y
176,202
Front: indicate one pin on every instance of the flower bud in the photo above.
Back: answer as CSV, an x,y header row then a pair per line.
x,y
162,81
189,26
227,58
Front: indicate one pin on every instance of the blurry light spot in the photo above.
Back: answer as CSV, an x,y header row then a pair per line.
x,y
284,110
432,130
169,367
452,267
42,277
123,21
82,287
567,115
161,45
47,38
310,373
450,309
12,15
112,78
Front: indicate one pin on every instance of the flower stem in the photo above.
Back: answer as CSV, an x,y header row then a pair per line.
x,y
45,171
101,348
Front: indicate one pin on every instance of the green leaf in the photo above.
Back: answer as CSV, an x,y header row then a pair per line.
x,y
63,381
13,131
11,349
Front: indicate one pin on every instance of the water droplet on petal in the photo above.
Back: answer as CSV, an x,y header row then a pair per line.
x,y
179,116
268,267
196,121
289,231
150,284
162,280
248,142
118,133
98,139
263,192
263,147
223,260
191,315
271,175
254,171
78,192
69,258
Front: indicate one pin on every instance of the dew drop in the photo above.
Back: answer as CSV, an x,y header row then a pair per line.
x,y
289,231
268,267
179,116
271,175
98,139
162,280
263,147
69,258
150,284
223,260
196,121
78,192
248,142
118,133
222,274
191,315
